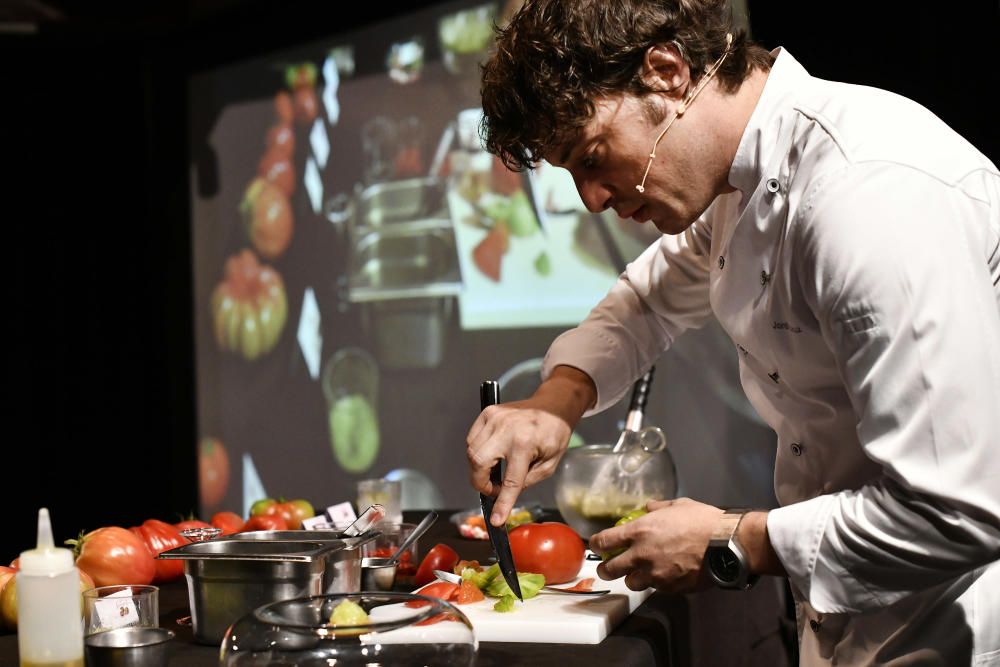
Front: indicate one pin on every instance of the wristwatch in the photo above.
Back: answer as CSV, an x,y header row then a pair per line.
x,y
726,560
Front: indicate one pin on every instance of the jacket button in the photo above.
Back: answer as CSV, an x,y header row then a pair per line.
x,y
814,625
774,377
722,261
796,449
765,277
772,185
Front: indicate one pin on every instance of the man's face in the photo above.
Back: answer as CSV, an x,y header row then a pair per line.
x,y
611,154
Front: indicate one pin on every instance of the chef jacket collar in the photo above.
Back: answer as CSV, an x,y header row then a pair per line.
x,y
770,118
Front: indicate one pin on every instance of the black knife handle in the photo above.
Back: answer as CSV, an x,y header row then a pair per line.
x,y
640,392
489,394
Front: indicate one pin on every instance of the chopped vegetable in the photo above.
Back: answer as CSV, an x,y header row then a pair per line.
x,y
481,579
348,613
506,603
468,592
443,590
530,585
463,564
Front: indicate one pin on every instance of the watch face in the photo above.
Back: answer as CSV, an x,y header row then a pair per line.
x,y
724,564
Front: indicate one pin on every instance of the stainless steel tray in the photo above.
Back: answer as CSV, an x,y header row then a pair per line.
x,y
228,578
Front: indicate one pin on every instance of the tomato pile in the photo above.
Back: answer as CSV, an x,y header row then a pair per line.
x,y
113,555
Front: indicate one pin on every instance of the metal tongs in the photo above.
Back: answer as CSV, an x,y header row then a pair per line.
x,y
366,521
636,444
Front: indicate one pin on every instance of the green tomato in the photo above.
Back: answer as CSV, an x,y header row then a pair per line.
x,y
530,585
355,433
630,516
261,506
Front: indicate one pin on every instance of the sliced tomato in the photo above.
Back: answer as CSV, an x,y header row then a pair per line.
x,y
468,592
443,590
582,585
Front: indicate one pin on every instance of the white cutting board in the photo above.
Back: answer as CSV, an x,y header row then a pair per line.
x,y
556,618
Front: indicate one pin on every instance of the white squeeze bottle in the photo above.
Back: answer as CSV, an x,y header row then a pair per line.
x,y
49,624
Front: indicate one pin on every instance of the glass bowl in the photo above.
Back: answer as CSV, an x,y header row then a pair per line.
x,y
592,492
297,632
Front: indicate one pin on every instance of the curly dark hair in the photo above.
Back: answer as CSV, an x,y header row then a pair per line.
x,y
556,57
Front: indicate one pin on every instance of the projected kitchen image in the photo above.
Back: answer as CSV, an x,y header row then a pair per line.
x,y
362,264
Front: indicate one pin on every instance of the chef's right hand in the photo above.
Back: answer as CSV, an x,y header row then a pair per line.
x,y
531,435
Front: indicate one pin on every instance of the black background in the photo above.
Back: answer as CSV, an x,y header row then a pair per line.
x,y
100,419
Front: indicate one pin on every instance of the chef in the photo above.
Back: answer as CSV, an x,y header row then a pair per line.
x,y
848,241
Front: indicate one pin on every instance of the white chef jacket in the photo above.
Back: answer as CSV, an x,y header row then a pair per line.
x,y
856,269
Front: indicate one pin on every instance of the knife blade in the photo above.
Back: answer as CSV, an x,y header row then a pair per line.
x,y
489,394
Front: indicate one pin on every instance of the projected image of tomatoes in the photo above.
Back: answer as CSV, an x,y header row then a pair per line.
x,y
213,471
249,307
277,169
267,217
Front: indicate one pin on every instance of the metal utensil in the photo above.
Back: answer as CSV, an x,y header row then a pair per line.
x,y
489,394
456,579
421,528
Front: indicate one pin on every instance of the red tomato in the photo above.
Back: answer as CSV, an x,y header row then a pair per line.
x,y
281,139
229,522
160,536
283,107
582,585
265,522
213,472
191,523
550,548
306,105
441,557
468,592
113,555
443,590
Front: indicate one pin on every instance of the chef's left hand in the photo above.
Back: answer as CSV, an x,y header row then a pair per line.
x,y
665,548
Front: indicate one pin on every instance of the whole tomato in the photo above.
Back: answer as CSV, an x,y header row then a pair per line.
x,y
159,536
191,522
281,140
249,306
549,548
292,511
213,471
267,216
229,522
265,522
113,555
441,557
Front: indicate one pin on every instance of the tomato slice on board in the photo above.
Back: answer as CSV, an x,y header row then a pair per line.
x,y
468,592
443,590
582,585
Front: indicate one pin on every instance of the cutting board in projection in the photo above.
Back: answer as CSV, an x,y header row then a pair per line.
x,y
555,618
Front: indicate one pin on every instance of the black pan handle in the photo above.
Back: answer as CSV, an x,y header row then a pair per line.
x,y
640,392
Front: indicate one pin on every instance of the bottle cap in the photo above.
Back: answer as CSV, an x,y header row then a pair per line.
x,y
45,558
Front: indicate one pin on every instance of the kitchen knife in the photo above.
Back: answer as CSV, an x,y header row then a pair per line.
x,y
489,394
